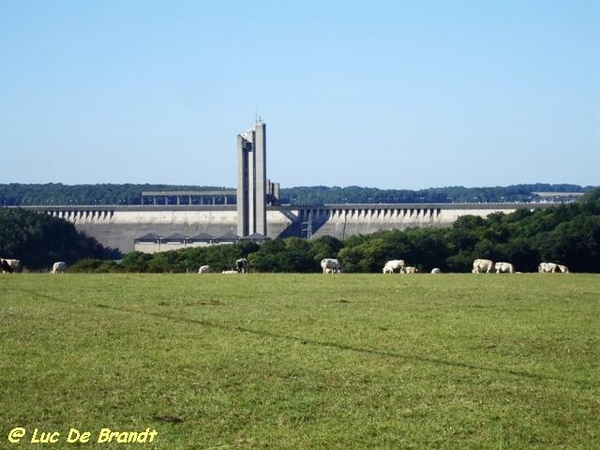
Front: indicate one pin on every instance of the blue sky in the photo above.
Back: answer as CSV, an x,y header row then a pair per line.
x,y
387,94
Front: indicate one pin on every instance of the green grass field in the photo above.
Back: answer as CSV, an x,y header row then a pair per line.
x,y
256,361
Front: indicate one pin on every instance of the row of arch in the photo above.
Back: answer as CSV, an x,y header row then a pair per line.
x,y
322,214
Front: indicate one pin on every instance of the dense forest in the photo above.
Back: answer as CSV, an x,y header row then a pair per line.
x,y
131,194
567,233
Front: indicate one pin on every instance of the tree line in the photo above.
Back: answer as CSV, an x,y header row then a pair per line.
x,y
522,193
568,233
131,194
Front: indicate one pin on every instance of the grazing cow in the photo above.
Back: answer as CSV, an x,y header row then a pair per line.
x,y
436,270
331,265
393,266
5,266
204,269
410,269
241,265
563,268
504,267
548,267
59,267
10,265
482,265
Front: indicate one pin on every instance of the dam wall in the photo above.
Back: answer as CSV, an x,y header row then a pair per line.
x,y
342,221
118,227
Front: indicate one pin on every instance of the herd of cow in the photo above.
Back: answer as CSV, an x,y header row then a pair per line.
x,y
14,265
332,265
487,266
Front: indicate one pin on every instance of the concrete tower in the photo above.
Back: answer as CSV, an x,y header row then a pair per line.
x,y
252,181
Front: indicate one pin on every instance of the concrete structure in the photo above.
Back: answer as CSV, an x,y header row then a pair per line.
x,y
344,220
252,181
154,243
127,227
221,197
181,219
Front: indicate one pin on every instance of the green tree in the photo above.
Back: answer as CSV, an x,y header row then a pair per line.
x,y
351,258
268,257
325,247
429,248
39,240
577,244
299,256
136,262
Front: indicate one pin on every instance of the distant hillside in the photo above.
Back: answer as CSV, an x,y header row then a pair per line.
x,y
454,194
16,194
84,194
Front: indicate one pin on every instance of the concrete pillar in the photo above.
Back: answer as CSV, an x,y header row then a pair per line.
x,y
252,181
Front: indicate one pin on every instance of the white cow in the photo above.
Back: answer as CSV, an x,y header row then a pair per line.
x,y
241,265
436,270
563,268
504,267
59,267
10,265
482,265
204,269
410,269
393,266
331,265
548,267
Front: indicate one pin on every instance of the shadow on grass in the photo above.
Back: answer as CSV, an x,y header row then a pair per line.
x,y
340,346
352,348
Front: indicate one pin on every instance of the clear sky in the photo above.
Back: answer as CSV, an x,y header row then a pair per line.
x,y
389,94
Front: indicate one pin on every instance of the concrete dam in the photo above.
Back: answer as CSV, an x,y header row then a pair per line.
x,y
175,226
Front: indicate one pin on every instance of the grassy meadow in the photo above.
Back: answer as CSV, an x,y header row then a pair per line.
x,y
289,361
